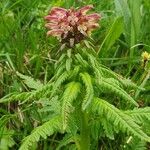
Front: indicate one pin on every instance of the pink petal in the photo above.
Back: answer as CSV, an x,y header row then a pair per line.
x,y
58,10
63,22
57,32
72,19
85,9
51,26
94,16
59,15
82,29
51,18
82,20
92,26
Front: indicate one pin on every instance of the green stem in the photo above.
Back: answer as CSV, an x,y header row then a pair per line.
x,y
85,135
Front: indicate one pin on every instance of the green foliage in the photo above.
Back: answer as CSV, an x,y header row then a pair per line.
x,y
122,9
6,139
112,35
119,119
135,144
71,92
140,114
46,129
59,81
110,85
66,140
54,97
108,128
30,82
89,90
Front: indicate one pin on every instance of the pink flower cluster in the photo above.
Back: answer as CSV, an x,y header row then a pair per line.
x,y
71,25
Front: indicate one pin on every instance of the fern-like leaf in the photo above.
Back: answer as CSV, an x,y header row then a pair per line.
x,y
70,93
68,138
74,72
135,144
107,73
43,131
119,119
81,61
130,84
6,141
111,86
30,82
127,83
58,82
108,128
15,97
60,70
96,129
139,114
89,89
60,61
68,64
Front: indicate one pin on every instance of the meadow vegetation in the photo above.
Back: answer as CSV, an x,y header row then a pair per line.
x,y
89,93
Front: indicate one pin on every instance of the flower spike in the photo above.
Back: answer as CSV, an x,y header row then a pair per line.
x,y
71,26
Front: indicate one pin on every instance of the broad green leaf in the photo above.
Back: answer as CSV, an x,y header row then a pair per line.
x,y
123,10
112,35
